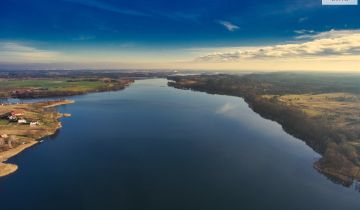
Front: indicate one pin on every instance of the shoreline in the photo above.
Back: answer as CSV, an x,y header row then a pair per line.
x,y
335,163
9,168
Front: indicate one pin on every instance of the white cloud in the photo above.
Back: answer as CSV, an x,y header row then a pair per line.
x,y
228,25
331,43
16,52
332,34
304,31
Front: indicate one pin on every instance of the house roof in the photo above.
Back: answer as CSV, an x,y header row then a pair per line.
x,y
17,112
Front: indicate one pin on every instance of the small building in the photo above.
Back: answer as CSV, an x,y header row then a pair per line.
x,y
34,123
22,121
17,113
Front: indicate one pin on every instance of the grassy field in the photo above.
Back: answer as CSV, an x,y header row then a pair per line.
x,y
33,88
51,84
340,109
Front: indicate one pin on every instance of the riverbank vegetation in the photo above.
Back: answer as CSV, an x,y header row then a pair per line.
x,y
321,109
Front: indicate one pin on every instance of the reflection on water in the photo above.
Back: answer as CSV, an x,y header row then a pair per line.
x,y
155,147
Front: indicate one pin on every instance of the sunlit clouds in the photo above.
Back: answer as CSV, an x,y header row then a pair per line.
x,y
320,45
333,50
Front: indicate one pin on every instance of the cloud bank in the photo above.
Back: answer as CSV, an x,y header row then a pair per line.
x,y
330,43
15,52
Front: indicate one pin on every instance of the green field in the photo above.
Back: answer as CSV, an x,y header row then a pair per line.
x,y
51,84
33,88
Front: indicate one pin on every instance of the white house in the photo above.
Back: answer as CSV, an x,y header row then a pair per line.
x,y
34,123
22,121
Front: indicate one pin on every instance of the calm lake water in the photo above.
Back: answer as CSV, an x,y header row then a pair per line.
x,y
155,147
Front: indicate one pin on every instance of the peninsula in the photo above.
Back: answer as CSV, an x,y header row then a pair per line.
x,y
23,125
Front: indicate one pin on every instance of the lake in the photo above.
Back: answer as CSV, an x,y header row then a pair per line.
x,y
154,147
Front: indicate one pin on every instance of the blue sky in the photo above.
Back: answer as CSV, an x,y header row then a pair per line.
x,y
159,31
